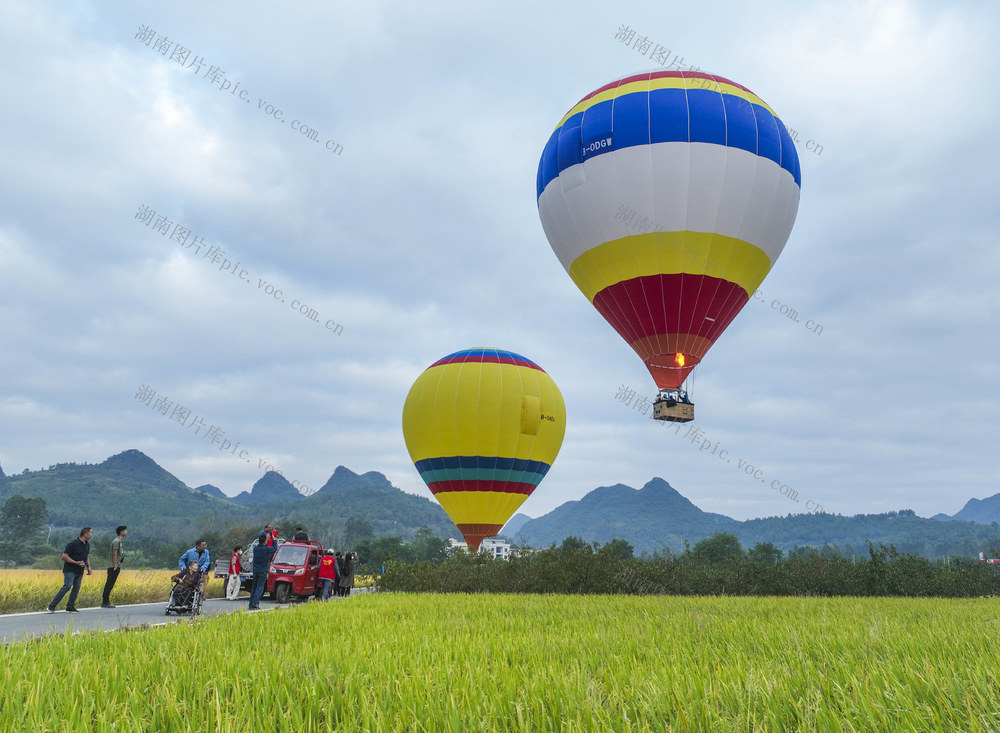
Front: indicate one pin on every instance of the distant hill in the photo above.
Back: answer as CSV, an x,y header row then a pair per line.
x,y
904,529
212,491
514,524
271,488
391,511
657,517
128,488
344,480
131,488
984,511
649,518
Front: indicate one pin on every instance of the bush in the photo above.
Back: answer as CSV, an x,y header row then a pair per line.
x,y
582,569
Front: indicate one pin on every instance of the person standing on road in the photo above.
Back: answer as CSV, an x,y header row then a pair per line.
x,y
328,573
75,558
117,558
347,574
233,584
262,555
198,554
340,574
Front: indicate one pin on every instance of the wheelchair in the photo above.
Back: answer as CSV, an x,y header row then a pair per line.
x,y
185,599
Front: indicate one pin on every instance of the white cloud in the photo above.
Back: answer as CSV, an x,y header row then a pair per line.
x,y
423,238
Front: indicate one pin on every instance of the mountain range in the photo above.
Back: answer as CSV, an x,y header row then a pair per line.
x,y
658,517
984,511
131,488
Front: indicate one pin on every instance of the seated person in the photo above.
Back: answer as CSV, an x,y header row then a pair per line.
x,y
190,576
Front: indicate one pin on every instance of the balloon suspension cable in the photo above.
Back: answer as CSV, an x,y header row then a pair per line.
x,y
682,393
674,405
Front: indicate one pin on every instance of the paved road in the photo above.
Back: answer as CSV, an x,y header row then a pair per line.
x,y
16,626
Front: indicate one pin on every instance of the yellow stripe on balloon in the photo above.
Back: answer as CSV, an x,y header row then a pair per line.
x,y
480,507
660,253
461,410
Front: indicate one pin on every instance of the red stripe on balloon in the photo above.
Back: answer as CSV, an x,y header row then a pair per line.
x,y
474,534
486,360
662,75
671,304
503,487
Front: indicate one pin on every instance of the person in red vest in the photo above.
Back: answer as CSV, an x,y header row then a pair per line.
x,y
327,572
233,584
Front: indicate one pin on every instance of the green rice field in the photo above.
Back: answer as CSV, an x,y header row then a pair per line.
x,y
423,662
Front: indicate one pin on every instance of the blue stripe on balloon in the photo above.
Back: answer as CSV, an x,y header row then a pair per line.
x,y
741,124
597,123
667,115
569,150
481,474
768,137
549,166
633,111
707,117
788,153
489,355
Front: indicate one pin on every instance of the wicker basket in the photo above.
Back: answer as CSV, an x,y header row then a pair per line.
x,y
673,411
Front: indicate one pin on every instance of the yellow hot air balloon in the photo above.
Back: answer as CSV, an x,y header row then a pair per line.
x,y
668,196
483,427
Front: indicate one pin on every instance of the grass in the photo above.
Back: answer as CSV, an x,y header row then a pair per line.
x,y
32,590
410,662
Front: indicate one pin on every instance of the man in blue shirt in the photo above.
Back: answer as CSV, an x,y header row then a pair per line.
x,y
198,554
75,558
262,555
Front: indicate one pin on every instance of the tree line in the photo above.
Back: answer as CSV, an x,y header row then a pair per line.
x,y
26,539
717,565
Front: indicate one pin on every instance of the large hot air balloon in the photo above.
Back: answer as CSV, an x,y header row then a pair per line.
x,y
483,427
668,196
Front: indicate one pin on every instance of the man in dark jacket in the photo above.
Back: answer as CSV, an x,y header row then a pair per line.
x,y
75,558
262,555
300,535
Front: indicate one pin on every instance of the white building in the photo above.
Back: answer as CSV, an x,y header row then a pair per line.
x,y
497,547
493,546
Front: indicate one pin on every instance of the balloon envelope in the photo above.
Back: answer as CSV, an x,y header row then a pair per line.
x,y
483,426
668,196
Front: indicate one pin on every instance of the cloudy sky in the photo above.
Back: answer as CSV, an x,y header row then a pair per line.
x,y
408,223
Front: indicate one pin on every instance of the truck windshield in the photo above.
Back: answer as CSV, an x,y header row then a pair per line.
x,y
291,555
